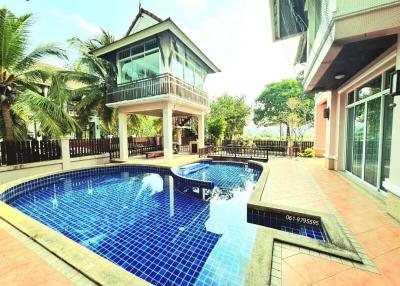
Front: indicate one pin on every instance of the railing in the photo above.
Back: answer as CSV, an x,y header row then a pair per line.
x,y
159,85
88,147
183,148
13,153
272,145
235,152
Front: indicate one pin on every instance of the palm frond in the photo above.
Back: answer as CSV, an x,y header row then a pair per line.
x,y
38,53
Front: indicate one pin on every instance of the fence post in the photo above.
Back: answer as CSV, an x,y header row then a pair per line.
x,y
65,156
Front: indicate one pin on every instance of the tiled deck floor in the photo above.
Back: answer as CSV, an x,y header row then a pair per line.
x,y
21,266
306,184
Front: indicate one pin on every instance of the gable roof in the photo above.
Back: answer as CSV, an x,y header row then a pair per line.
x,y
143,14
166,25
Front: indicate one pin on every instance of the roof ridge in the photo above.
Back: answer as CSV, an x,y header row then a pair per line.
x,y
142,11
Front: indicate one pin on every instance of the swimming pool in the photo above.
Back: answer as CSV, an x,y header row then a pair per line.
x,y
137,218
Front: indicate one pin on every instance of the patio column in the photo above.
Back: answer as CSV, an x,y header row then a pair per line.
x,y
393,183
179,135
200,130
123,136
167,132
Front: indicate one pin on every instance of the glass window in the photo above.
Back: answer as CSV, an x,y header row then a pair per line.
x,y
358,142
189,76
198,79
350,98
372,141
177,67
152,64
126,71
370,88
387,77
387,138
124,54
152,44
137,49
138,68
349,139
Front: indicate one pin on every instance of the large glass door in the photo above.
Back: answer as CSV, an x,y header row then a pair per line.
x,y
372,141
387,138
358,140
369,130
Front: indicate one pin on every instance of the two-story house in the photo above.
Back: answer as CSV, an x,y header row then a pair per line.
x,y
350,50
161,72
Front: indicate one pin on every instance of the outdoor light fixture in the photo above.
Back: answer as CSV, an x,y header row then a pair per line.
x,y
326,113
339,76
394,83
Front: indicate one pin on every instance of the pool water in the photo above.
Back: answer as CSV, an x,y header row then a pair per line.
x,y
228,177
137,219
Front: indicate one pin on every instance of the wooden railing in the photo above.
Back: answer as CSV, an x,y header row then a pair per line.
x,y
159,85
13,153
88,147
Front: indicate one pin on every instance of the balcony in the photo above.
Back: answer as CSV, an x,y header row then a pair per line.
x,y
164,84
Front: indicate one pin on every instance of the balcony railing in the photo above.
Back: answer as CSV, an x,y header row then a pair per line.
x,y
159,85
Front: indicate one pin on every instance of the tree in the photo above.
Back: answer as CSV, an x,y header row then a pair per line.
x,y
284,103
19,69
49,111
216,127
96,75
234,111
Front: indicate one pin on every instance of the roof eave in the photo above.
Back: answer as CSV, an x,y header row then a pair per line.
x,y
166,25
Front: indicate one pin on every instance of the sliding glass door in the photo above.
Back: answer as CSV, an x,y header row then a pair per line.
x,y
369,131
387,138
358,142
372,141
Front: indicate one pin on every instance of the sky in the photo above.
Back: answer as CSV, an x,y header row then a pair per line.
x,y
234,34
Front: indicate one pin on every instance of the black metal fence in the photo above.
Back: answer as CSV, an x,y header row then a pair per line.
x,y
13,153
272,145
235,152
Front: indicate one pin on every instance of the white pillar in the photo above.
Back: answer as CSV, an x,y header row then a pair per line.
x,y
200,130
393,183
167,132
179,135
65,156
123,136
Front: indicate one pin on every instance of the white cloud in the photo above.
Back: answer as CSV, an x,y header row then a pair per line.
x,y
78,20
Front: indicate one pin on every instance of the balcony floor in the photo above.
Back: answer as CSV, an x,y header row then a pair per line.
x,y
300,183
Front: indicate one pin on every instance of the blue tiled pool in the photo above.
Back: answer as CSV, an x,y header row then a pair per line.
x,y
136,218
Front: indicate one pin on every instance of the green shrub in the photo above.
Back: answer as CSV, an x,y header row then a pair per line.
x,y
308,153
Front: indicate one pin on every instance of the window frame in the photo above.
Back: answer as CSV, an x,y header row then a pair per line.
x,y
137,55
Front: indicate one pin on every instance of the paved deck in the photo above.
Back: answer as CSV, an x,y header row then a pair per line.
x,y
306,184
301,184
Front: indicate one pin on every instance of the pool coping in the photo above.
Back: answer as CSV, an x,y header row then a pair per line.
x,y
342,244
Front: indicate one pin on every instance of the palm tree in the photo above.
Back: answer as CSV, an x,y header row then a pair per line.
x,y
49,110
97,75
19,70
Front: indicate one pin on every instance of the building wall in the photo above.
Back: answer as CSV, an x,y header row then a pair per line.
x,y
336,101
320,128
346,7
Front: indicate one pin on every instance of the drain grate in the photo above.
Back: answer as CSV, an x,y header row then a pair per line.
x,y
296,224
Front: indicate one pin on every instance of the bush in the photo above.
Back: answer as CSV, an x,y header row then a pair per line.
x,y
308,153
